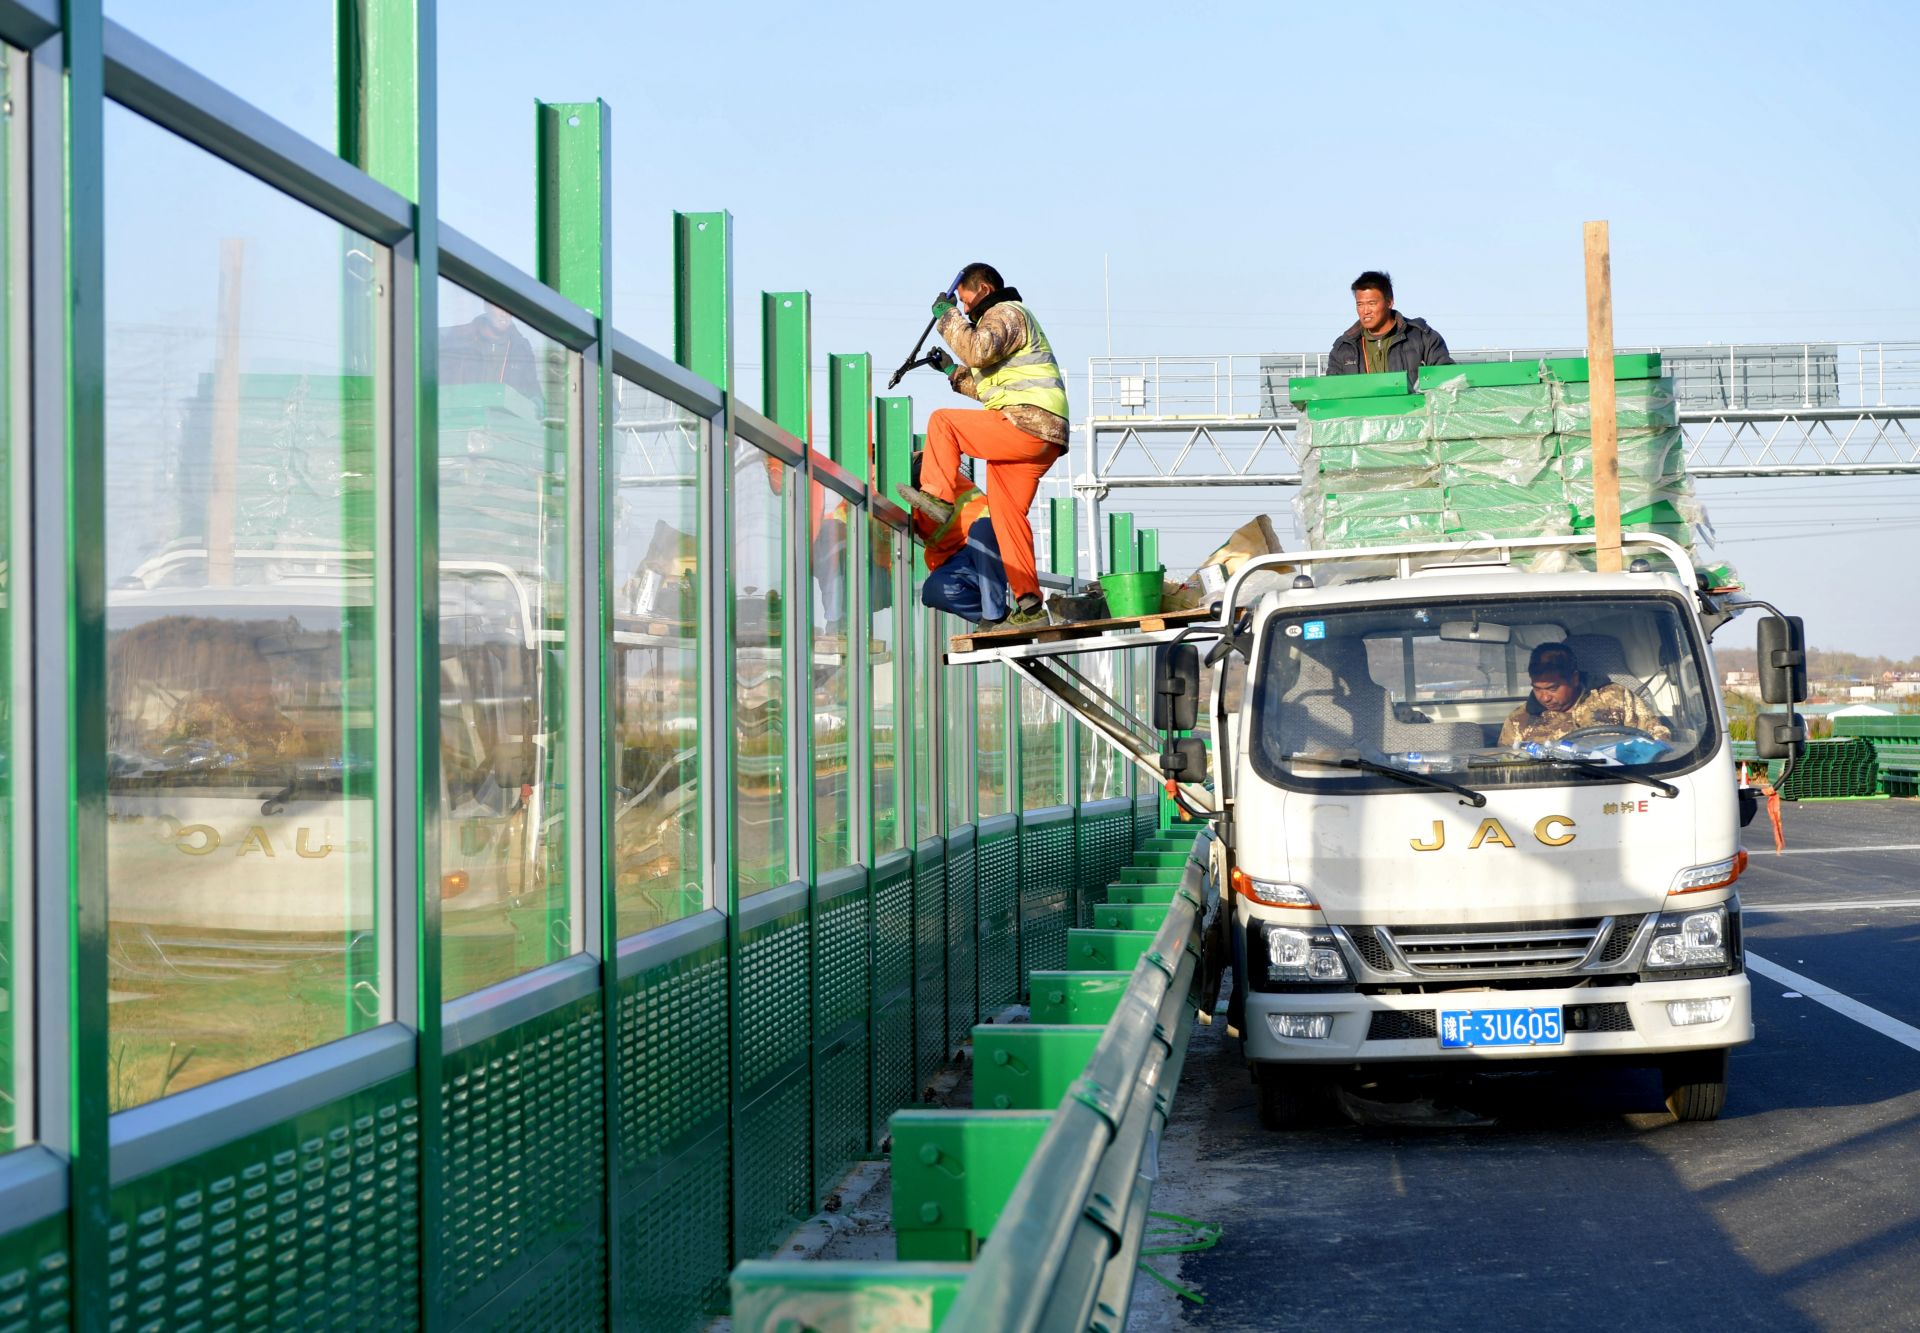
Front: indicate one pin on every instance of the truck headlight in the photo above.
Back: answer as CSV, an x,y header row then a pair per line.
x,y
1269,893
1690,939
1298,955
1713,875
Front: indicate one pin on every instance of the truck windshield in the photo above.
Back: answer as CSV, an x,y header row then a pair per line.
x,y
1492,692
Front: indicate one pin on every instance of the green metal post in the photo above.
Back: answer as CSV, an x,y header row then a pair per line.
x,y
84,1133
574,225
893,448
1063,557
387,100
850,412
786,361
702,292
1122,555
1148,540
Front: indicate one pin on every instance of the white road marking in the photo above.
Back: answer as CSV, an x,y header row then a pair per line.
x,y
1843,905
1760,856
1884,1024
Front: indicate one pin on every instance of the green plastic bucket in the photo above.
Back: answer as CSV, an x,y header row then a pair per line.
x,y
1133,594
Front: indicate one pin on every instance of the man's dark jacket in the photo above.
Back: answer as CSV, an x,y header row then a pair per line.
x,y
1414,345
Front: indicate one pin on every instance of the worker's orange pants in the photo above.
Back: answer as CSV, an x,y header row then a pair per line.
x,y
1015,463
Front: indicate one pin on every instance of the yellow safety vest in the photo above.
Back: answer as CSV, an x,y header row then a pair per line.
x,y
1029,377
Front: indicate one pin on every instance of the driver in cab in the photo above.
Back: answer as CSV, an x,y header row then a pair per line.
x,y
1563,702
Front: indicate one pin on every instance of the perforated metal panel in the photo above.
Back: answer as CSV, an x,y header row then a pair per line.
x,y
840,997
963,923
525,1153
314,1223
999,876
773,1189
1046,887
929,963
772,1145
1106,841
892,991
564,1292
675,1236
36,1278
1146,816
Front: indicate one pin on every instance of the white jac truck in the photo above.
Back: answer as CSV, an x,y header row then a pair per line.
x,y
1429,865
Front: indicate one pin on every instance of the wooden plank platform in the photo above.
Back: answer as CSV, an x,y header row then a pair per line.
x,y
1078,629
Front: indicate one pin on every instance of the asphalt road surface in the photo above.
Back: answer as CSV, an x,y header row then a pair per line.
x,y
1582,1205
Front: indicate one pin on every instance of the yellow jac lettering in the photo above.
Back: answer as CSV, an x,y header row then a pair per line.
x,y
1490,828
1439,839
300,846
255,834
208,835
1551,839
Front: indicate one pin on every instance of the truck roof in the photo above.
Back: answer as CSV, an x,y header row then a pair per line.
x,y
1467,581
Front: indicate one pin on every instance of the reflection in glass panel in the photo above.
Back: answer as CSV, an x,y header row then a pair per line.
x,y
1140,700
1100,777
991,761
885,546
833,552
241,620
507,396
1043,769
759,670
925,697
958,683
655,672
16,971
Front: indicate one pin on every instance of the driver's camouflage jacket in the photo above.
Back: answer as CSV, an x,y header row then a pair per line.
x,y
1603,706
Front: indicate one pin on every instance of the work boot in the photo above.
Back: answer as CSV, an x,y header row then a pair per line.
x,y
1027,612
931,505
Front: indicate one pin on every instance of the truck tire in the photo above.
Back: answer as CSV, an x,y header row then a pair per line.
x,y
1290,1098
1695,1084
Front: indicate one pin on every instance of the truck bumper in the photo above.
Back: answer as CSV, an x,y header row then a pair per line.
x,y
1352,1039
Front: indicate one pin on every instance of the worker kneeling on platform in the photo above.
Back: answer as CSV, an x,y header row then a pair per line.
x,y
1563,702
1382,339
965,575
1002,358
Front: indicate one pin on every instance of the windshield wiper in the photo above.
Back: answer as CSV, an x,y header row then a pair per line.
x,y
1467,794
1603,771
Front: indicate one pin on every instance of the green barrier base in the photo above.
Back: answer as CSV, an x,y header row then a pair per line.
x,y
1029,1066
953,1172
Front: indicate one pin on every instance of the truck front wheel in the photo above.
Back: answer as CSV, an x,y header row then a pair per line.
x,y
1695,1084
1290,1097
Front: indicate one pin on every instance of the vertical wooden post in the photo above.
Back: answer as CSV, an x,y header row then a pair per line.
x,y
1606,453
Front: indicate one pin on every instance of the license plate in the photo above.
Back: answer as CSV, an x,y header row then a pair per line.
x,y
1501,1027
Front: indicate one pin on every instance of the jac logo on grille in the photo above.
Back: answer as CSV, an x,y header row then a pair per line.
x,y
1548,831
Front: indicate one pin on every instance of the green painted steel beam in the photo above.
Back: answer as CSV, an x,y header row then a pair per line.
x,y
779,1296
1147,548
1077,997
893,436
953,1171
786,361
1029,1066
377,46
1111,915
1123,556
850,412
570,215
1063,557
1169,875
703,295
1175,860
1142,893
1106,950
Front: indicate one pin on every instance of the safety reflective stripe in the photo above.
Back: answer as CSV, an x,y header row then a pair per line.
x,y
1023,379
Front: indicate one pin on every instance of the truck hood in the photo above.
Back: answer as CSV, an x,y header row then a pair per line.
x,y
1540,853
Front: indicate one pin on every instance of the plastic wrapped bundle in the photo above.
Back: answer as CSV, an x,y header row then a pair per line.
x,y
1652,470
1494,412
1638,405
1398,463
1361,421
1517,459
1534,508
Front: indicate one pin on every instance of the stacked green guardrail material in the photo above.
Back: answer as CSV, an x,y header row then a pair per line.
x,y
1496,449
1828,769
1896,748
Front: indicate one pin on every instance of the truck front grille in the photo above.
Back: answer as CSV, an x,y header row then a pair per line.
x,y
1371,951
1534,946
1402,1025
1620,938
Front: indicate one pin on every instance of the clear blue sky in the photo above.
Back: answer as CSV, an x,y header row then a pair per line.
x,y
1236,164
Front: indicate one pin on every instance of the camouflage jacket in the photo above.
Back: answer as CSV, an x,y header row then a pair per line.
x,y
1000,333
1603,706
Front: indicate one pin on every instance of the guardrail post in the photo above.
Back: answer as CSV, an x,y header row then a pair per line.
x,y
850,413
786,358
1063,556
893,433
1122,555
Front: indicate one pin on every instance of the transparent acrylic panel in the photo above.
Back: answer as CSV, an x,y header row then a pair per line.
x,y
885,547
924,700
833,552
991,758
958,756
654,711
242,620
760,667
1100,768
1043,770
16,958
508,413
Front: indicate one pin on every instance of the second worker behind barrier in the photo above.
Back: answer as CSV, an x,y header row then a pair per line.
x,y
1002,358
1382,338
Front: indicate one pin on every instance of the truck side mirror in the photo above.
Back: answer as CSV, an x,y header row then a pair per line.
x,y
1176,687
1185,760
1778,735
1783,660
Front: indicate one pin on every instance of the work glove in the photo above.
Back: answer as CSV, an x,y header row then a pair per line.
x,y
943,305
943,363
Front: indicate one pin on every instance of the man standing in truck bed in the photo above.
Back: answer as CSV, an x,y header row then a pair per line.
x,y
1383,339
1000,357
